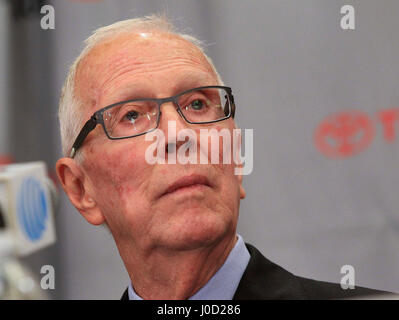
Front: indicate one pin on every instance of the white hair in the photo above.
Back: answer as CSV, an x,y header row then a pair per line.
x,y
70,107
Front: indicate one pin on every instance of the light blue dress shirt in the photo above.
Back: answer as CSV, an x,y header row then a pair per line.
x,y
224,283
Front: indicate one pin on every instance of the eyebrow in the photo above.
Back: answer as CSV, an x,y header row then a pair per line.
x,y
186,82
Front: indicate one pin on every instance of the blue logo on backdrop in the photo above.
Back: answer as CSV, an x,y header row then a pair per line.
x,y
32,208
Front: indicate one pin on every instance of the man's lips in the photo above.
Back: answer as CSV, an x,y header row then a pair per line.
x,y
187,181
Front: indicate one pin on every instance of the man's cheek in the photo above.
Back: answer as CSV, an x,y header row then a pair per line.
x,y
118,164
111,179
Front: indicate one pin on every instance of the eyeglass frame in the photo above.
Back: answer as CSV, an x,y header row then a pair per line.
x,y
98,116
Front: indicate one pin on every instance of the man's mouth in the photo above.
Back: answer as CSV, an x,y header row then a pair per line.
x,y
188,182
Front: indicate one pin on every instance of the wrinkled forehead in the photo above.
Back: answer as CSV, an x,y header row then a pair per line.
x,y
134,51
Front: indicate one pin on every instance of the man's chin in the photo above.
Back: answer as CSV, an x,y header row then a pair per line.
x,y
196,235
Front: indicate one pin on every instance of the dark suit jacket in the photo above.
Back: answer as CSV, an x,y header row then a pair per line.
x,y
264,280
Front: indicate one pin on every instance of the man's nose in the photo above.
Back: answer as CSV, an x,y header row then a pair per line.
x,y
171,122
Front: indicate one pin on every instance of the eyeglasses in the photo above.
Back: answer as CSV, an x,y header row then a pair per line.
x,y
132,118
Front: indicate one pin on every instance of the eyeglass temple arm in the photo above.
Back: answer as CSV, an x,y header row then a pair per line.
x,y
233,106
89,126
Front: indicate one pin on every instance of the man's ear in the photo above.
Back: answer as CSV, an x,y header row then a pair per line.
x,y
237,142
76,186
242,190
239,177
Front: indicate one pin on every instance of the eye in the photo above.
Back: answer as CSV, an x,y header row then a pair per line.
x,y
132,116
196,104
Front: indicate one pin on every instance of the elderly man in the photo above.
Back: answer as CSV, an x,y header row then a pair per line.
x,y
174,223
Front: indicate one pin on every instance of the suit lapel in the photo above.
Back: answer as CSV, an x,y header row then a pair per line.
x,y
264,279
125,295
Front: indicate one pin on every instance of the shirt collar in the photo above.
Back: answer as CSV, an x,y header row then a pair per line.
x,y
224,283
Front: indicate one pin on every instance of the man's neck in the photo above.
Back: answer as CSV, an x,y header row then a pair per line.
x,y
175,274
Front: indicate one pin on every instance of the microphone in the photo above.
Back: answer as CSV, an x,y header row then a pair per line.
x,y
28,200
